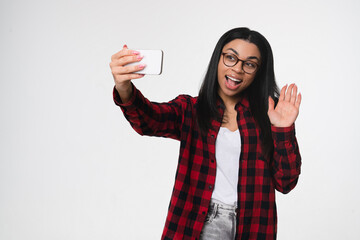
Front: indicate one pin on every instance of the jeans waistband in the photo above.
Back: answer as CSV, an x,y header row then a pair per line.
x,y
224,206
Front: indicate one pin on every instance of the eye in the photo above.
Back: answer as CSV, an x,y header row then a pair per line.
x,y
250,64
230,57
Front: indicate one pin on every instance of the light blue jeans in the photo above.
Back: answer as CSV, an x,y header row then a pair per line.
x,y
220,222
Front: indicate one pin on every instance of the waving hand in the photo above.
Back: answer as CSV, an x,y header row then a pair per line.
x,y
287,109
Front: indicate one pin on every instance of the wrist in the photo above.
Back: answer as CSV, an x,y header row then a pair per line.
x,y
124,90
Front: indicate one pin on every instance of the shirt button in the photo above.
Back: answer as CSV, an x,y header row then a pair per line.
x,y
212,160
212,136
210,186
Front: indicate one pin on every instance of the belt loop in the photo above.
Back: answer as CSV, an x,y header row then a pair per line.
x,y
213,214
216,209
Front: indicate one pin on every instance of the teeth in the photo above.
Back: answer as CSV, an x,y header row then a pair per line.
x,y
234,79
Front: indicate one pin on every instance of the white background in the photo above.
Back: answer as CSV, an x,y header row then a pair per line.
x,y
72,168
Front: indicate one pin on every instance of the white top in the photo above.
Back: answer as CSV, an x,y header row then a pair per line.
x,y
227,154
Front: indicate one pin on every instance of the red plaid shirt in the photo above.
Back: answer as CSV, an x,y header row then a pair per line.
x,y
196,171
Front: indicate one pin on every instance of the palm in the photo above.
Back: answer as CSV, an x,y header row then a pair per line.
x,y
287,109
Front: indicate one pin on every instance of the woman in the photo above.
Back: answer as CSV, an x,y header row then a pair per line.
x,y
236,147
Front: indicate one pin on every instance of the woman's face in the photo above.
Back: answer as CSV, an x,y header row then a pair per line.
x,y
233,80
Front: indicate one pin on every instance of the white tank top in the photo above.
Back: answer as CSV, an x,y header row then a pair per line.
x,y
227,154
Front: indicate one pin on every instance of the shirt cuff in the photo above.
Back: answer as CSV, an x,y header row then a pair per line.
x,y
283,133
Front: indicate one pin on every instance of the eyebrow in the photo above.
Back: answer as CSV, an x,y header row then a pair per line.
x,y
250,57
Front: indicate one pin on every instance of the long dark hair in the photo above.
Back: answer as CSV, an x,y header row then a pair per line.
x,y
261,88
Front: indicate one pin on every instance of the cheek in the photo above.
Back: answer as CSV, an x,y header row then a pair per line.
x,y
220,73
249,81
220,70
251,78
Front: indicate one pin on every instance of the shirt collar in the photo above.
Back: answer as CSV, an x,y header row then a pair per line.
x,y
243,102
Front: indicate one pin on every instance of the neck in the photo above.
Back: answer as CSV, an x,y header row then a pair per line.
x,y
230,102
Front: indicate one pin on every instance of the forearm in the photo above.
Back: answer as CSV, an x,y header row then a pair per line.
x,y
125,91
149,118
286,160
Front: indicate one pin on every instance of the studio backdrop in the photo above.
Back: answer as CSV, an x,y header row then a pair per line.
x,y
71,167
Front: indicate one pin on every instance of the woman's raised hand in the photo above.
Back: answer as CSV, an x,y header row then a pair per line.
x,y
287,109
122,73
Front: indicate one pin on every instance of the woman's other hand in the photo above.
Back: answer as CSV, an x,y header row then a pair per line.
x,y
122,73
287,109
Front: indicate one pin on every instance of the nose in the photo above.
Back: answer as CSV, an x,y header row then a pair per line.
x,y
238,67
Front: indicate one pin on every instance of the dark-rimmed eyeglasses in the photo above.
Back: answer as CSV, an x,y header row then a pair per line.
x,y
247,66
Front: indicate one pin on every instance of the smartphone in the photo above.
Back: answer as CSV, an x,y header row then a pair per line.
x,y
153,59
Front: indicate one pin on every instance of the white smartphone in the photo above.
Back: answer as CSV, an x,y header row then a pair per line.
x,y
153,59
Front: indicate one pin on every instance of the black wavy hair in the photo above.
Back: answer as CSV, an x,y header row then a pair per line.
x,y
261,88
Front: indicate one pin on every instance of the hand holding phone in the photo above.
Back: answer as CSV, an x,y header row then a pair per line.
x,y
153,60
126,65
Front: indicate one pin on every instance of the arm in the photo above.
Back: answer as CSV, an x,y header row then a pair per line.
x,y
145,117
123,74
150,118
286,162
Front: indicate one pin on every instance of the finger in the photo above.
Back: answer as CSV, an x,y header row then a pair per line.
x,y
134,76
124,52
120,70
298,101
127,77
288,92
271,104
282,93
127,60
293,95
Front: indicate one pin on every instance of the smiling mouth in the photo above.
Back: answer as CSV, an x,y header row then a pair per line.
x,y
233,81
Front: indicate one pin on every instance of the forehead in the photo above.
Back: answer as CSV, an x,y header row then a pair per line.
x,y
243,48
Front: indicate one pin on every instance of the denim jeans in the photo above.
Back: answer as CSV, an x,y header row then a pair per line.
x,y
220,223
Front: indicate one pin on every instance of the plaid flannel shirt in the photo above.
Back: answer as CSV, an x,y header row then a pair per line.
x,y
196,171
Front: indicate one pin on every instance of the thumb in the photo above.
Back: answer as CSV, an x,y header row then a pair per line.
x,y
271,104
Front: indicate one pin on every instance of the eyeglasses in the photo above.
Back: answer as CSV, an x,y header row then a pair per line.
x,y
247,66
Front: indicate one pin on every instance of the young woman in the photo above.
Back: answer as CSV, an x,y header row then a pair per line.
x,y
236,147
